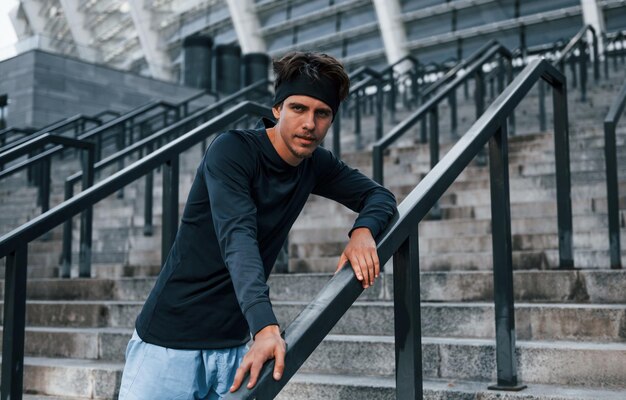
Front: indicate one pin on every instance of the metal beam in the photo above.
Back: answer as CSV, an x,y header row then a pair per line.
x,y
83,37
247,25
155,55
393,31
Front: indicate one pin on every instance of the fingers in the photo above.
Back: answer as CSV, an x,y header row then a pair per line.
x,y
254,373
366,265
342,261
279,362
240,374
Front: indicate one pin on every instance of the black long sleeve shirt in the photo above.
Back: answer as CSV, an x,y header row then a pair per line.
x,y
212,291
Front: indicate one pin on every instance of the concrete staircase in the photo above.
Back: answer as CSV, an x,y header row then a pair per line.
x,y
571,325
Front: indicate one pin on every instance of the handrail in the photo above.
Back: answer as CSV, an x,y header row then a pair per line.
x,y
578,42
164,132
75,119
610,155
610,39
14,245
451,73
400,240
355,90
8,155
430,108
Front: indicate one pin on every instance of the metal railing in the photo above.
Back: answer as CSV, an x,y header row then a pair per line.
x,y
144,146
610,155
14,245
614,47
122,129
77,123
400,240
430,107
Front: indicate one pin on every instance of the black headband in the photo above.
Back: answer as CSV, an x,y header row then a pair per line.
x,y
323,89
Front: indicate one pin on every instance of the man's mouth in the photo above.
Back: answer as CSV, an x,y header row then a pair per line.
x,y
307,139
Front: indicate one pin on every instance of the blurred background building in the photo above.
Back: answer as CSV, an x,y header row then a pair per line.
x,y
147,36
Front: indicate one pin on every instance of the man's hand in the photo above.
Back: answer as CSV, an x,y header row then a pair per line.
x,y
267,344
362,254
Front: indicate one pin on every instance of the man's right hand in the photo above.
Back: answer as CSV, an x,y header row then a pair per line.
x,y
268,344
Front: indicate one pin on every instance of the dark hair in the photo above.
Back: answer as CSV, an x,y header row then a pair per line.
x,y
312,65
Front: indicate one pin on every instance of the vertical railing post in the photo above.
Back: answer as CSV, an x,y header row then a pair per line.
x,y
66,254
45,184
479,100
506,361
433,122
379,109
86,223
337,135
148,227
454,120
509,79
408,330
610,156
582,48
563,178
14,322
170,205
424,124
357,118
377,164
392,99
596,56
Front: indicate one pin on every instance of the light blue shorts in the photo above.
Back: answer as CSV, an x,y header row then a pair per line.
x,y
154,372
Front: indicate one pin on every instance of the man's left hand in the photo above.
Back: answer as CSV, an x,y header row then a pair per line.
x,y
362,254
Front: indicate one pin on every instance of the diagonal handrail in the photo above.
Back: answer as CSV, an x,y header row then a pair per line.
x,y
429,108
14,245
610,156
400,240
73,121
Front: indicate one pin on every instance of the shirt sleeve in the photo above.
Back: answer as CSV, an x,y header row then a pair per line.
x,y
228,170
337,181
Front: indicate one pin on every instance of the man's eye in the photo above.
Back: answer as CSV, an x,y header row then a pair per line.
x,y
324,114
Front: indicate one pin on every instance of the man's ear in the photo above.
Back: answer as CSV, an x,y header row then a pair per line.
x,y
276,110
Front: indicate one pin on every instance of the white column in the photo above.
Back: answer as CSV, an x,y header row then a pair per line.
x,y
392,30
247,26
20,26
592,15
83,38
32,11
157,59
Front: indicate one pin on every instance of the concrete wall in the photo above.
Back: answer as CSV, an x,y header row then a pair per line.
x,y
45,87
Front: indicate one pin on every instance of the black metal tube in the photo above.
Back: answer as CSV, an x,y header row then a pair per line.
x,y
407,327
392,99
502,262
479,92
612,188
148,227
14,322
86,217
379,110
454,119
583,70
377,164
45,185
563,178
66,253
170,205
337,135
357,118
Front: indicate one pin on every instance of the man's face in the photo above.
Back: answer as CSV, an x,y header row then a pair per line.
x,y
303,122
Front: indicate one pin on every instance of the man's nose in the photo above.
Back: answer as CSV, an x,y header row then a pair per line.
x,y
309,121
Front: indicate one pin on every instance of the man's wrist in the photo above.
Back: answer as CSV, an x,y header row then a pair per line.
x,y
269,330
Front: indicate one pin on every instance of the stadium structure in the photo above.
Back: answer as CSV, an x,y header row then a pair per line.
x,y
498,125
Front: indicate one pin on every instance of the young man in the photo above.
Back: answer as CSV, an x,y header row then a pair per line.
x,y
211,294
